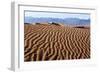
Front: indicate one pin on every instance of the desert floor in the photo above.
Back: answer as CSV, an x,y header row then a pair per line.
x,y
53,42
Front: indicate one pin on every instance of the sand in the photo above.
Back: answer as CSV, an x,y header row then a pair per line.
x,y
52,42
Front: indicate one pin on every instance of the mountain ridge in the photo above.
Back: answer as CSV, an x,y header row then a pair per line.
x,y
71,21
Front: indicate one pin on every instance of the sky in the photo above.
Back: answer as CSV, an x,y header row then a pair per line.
x,y
56,15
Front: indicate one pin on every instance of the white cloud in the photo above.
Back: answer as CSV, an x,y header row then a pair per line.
x,y
56,15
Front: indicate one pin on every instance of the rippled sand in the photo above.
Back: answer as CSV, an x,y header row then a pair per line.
x,y
52,42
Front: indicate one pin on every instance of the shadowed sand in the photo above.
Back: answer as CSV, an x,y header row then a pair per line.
x,y
52,42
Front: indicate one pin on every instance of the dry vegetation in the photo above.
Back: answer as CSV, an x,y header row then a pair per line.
x,y
52,42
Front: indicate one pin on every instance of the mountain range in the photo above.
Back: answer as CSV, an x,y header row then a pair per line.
x,y
71,21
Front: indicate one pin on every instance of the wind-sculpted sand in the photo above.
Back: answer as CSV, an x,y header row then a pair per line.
x,y
52,42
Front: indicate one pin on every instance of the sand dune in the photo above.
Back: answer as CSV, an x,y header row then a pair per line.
x,y
51,42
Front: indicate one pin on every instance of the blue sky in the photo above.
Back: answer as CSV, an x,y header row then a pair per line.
x,y
56,15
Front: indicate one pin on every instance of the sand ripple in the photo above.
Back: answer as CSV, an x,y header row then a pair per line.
x,y
50,42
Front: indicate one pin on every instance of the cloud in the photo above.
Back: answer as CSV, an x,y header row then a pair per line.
x,y
56,15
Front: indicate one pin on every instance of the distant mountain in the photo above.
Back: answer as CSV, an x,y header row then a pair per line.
x,y
71,21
